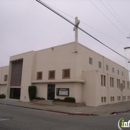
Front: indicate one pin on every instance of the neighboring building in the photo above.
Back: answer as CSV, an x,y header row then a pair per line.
x,y
3,79
61,71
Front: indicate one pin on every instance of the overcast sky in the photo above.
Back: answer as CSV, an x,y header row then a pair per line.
x,y
26,25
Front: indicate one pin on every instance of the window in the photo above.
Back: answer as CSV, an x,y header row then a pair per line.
x,y
99,64
117,71
90,60
103,99
118,83
123,83
103,80
113,70
39,75
51,74
127,85
112,99
111,82
106,67
66,73
5,77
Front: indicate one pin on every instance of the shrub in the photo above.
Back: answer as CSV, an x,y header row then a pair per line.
x,y
32,92
69,99
2,96
39,98
66,99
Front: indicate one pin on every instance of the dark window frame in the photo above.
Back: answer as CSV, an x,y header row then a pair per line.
x,y
99,64
5,77
39,78
107,67
90,60
63,76
49,74
113,70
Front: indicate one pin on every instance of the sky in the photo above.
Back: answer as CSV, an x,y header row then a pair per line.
x,y
26,25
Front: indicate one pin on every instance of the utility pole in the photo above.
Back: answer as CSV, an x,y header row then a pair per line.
x,y
76,33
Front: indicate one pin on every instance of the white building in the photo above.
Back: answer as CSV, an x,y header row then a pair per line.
x,y
67,70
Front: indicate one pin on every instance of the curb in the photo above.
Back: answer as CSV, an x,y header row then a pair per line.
x,y
119,112
62,112
76,114
8,104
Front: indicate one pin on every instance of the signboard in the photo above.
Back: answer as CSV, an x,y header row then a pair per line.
x,y
62,91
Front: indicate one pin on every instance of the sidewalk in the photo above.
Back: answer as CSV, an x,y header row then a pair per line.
x,y
84,110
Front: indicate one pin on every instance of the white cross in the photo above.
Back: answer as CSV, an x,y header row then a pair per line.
x,y
76,32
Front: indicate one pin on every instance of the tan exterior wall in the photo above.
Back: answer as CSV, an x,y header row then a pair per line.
x,y
3,84
28,62
41,90
89,88
85,79
75,90
3,89
56,58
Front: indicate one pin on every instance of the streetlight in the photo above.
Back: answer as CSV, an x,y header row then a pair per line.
x,y
126,48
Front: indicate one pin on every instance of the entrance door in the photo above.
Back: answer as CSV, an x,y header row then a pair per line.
x,y
51,92
15,93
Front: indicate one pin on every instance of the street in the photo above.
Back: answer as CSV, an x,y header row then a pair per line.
x,y
16,118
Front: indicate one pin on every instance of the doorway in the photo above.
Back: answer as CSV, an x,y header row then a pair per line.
x,y
15,93
51,92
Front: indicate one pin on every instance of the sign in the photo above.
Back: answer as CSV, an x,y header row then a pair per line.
x,y
62,91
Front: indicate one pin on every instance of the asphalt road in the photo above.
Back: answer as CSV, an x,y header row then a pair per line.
x,y
14,118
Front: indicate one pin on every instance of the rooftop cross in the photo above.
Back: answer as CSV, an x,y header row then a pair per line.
x,y
76,32
76,29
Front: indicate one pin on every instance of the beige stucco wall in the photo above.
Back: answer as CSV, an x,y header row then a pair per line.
x,y
3,71
41,90
107,91
82,63
63,57
75,90
89,88
3,84
3,89
56,58
28,62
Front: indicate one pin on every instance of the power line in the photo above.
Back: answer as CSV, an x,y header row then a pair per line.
x,y
113,15
42,3
107,18
104,34
118,17
89,26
